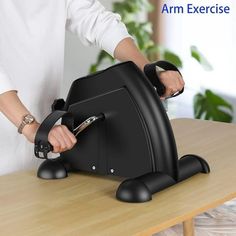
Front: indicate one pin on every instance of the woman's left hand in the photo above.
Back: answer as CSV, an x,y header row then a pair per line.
x,y
173,82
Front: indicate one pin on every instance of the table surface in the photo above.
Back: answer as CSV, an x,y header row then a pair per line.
x,y
85,205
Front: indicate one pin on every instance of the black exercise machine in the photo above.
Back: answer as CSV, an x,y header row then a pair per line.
x,y
129,136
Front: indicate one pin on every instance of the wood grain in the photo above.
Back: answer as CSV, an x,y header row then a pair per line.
x,y
85,204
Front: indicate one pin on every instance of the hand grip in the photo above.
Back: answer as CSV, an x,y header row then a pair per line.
x,y
42,147
150,72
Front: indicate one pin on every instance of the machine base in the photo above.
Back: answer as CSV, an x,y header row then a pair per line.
x,y
141,188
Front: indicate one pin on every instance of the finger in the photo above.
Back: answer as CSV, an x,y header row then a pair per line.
x,y
181,80
173,82
174,79
179,87
179,83
66,139
58,134
53,141
70,135
169,92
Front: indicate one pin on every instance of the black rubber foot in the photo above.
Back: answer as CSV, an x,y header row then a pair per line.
x,y
132,190
190,165
205,166
141,188
52,169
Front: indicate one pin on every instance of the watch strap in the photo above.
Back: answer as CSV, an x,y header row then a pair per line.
x,y
24,123
20,128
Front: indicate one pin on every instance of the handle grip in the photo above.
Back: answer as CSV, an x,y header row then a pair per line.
x,y
150,72
84,125
41,145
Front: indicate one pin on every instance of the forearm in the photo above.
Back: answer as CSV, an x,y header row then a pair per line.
x,y
127,50
12,107
14,110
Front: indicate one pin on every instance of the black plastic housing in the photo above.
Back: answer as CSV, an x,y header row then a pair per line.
x,y
135,139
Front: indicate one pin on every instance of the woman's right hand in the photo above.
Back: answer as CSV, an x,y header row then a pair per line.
x,y
11,106
60,137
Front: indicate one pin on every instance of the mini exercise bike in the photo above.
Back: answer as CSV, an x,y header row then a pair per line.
x,y
123,130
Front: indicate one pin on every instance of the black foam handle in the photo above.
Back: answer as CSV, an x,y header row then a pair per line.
x,y
150,72
41,144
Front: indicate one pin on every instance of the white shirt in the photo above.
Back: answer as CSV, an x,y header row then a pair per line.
x,y
32,58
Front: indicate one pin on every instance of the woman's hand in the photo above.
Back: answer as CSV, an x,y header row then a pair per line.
x,y
59,137
127,50
173,82
11,106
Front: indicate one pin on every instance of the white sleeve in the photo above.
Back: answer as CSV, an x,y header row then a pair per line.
x,y
5,81
94,25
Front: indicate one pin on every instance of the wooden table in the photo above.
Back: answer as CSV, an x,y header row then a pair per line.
x,y
85,205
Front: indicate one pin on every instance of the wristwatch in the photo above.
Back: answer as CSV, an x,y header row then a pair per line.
x,y
27,119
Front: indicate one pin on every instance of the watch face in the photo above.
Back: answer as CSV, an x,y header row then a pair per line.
x,y
28,119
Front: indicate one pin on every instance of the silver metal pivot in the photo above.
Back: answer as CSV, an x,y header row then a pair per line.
x,y
87,123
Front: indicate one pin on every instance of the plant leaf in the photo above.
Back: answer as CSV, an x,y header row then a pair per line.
x,y
93,68
197,55
173,58
210,106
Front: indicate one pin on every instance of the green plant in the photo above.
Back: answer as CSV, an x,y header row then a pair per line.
x,y
206,106
210,106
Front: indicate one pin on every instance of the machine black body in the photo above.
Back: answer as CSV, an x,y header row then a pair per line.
x,y
133,140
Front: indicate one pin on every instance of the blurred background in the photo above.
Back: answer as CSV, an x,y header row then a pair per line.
x,y
202,46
